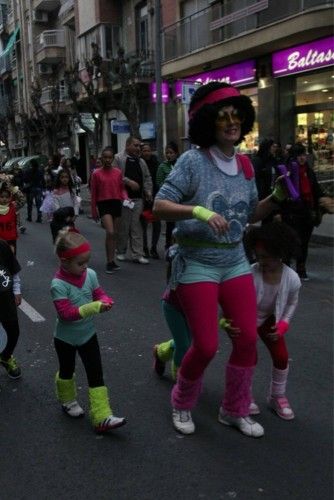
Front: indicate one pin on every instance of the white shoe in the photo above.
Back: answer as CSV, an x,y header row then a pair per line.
x,y
121,256
109,423
246,425
141,260
183,422
73,409
253,408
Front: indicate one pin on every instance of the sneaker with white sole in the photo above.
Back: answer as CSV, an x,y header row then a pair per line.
x,y
253,408
246,425
141,260
281,406
183,422
73,409
109,424
121,257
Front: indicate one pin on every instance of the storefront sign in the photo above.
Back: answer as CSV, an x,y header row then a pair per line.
x,y
146,129
120,127
306,57
164,92
236,74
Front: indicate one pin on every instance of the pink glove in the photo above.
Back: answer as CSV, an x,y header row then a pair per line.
x,y
282,327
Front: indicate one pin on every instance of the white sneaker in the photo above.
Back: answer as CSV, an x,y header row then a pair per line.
x,y
246,425
120,256
253,408
183,422
109,423
73,409
141,260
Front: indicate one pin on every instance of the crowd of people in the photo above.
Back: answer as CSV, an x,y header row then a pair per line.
x,y
232,230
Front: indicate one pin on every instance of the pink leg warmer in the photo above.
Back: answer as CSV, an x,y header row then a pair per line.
x,y
185,393
238,385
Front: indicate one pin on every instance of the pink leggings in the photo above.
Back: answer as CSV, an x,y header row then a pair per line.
x,y
278,351
199,303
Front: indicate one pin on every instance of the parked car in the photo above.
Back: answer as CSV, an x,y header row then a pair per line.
x,y
24,162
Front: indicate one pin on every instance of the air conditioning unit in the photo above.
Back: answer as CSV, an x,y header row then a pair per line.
x,y
40,16
45,69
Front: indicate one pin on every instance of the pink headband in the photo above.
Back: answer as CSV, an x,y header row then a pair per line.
x,y
73,252
215,96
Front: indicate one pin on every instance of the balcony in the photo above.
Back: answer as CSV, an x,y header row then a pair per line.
x,y
6,64
3,18
50,47
50,98
47,5
66,12
218,23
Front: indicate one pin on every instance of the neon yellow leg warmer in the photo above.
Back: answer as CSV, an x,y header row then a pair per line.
x,y
65,389
165,350
99,404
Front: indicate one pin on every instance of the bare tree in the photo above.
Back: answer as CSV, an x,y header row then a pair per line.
x,y
105,85
46,118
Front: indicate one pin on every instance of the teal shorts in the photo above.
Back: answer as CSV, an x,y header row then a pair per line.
x,y
195,272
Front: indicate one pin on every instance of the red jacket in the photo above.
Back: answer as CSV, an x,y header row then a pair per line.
x,y
8,228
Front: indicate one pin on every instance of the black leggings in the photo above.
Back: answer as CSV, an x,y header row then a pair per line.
x,y
90,356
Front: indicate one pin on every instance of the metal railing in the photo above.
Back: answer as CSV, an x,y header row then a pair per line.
x,y
50,94
233,18
50,38
3,16
5,63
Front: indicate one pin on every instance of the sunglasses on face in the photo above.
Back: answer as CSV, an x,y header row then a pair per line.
x,y
225,117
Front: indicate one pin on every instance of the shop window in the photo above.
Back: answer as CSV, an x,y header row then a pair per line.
x,y
315,117
251,142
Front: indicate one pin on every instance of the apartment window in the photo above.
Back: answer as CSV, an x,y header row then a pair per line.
x,y
110,41
142,27
190,7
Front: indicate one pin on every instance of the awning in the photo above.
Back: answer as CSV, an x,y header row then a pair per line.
x,y
11,42
65,7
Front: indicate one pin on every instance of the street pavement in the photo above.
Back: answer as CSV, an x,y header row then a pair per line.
x,y
46,455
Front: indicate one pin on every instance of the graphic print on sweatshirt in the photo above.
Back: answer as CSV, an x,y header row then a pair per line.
x,y
236,215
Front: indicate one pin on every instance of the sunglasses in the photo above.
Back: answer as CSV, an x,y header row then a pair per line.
x,y
225,117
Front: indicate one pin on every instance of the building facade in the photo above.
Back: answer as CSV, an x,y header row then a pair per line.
x,y
280,54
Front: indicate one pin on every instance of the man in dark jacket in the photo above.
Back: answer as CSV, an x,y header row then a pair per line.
x,y
33,184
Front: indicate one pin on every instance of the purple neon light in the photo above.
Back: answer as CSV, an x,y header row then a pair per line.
x,y
164,92
236,74
306,57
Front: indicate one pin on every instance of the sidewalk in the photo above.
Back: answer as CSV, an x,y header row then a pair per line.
x,y
324,234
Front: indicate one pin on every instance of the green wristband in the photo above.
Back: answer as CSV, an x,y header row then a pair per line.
x,y
224,323
278,193
202,214
90,309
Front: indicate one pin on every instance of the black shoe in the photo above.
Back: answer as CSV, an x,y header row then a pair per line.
x,y
39,220
146,253
154,254
303,276
112,267
28,219
11,366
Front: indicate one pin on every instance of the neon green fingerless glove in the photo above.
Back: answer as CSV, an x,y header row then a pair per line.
x,y
90,309
201,213
224,323
278,193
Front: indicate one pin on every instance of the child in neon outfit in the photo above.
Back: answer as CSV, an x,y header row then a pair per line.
x,y
77,297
